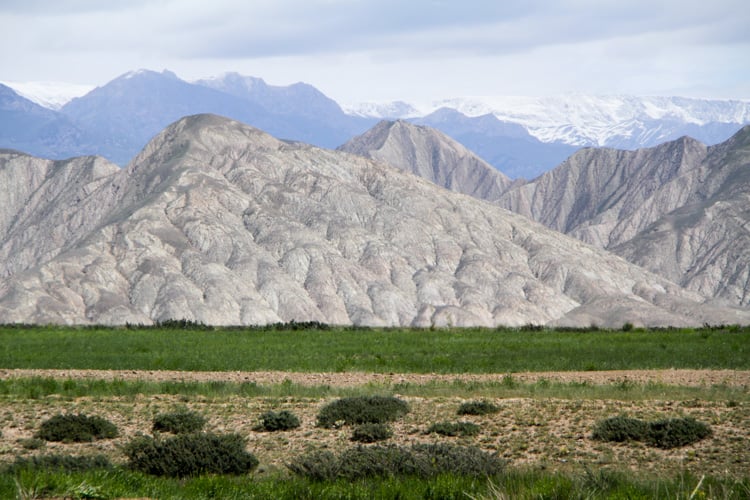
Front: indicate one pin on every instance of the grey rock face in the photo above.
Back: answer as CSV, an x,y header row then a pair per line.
x,y
679,209
221,223
432,155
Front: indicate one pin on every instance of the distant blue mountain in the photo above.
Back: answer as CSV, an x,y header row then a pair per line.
x,y
119,118
28,127
302,112
504,145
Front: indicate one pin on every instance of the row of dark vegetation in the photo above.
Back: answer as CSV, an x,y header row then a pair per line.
x,y
664,433
421,460
189,324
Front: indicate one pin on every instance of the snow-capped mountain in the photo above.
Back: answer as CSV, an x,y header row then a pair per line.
x,y
384,110
627,122
50,95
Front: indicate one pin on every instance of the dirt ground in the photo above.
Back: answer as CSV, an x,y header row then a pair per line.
x,y
548,433
734,378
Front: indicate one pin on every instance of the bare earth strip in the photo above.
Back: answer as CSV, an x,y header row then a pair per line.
x,y
694,378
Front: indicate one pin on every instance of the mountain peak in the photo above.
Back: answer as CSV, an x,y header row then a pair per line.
x,y
430,154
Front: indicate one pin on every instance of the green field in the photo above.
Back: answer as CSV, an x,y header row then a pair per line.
x,y
372,350
543,428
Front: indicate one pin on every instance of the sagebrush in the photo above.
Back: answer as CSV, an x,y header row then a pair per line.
x,y
423,461
371,433
362,410
76,428
665,433
179,422
272,421
477,408
190,455
454,429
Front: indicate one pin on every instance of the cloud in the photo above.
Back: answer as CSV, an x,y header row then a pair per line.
x,y
568,44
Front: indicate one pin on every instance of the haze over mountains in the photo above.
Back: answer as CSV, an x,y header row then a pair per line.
x,y
522,137
219,222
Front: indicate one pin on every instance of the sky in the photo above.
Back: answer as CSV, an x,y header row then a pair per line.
x,y
382,50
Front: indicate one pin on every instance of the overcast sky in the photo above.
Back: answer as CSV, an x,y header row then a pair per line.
x,y
415,50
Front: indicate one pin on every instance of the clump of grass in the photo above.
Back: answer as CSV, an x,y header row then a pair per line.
x,y
371,433
272,421
179,422
454,429
190,455
62,463
665,433
76,428
477,408
362,410
422,461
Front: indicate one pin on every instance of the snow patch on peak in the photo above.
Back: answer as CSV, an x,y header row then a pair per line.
x,y
51,95
392,110
586,120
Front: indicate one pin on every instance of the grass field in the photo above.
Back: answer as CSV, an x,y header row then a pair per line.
x,y
372,350
542,430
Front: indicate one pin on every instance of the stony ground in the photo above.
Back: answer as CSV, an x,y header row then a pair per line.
x,y
549,433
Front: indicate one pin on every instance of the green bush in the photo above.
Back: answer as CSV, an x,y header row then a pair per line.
x,y
676,432
179,422
66,463
371,433
316,466
477,408
619,429
32,443
423,461
362,410
454,429
272,421
190,455
76,428
666,433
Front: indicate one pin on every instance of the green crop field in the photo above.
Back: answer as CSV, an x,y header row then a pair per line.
x,y
372,350
541,429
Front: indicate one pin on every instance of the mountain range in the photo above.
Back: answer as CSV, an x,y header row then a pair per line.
x,y
522,137
219,222
680,209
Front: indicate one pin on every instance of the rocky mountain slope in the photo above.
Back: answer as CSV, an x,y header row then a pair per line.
x,y
680,209
431,155
219,222
506,146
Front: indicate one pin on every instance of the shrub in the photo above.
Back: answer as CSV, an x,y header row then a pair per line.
x,y
371,433
32,443
460,460
65,463
454,429
362,410
619,429
675,432
76,428
179,422
477,408
282,421
666,433
190,455
424,461
316,466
